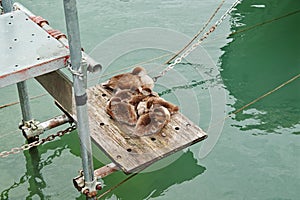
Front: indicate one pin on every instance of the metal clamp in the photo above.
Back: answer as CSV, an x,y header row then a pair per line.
x,y
75,72
87,188
31,129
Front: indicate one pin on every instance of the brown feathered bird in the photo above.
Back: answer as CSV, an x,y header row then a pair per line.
x,y
120,109
136,79
152,122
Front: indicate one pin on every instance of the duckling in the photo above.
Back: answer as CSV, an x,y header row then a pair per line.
x,y
140,98
154,101
146,80
138,78
121,110
152,122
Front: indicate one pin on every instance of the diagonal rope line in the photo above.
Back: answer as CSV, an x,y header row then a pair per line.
x,y
197,35
235,112
265,22
263,96
168,54
17,102
132,66
254,101
117,185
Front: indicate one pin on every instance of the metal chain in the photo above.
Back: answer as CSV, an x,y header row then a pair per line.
x,y
25,147
194,46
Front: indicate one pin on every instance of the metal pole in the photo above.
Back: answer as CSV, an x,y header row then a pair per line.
x,y
79,89
24,101
7,6
22,87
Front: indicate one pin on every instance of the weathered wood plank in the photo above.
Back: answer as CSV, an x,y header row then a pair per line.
x,y
59,87
130,153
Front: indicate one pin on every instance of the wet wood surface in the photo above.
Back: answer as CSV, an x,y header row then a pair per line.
x,y
129,153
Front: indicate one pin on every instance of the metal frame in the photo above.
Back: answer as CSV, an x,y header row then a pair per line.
x,y
22,87
81,63
79,82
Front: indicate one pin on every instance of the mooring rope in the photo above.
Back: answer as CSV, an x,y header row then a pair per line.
x,y
117,185
195,45
167,54
263,96
17,102
197,35
228,116
265,22
238,110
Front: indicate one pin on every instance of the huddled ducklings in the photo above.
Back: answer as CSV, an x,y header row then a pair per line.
x,y
135,104
138,78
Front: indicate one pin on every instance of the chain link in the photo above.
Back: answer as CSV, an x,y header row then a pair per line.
x,y
195,45
25,147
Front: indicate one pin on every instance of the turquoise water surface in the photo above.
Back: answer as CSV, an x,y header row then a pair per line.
x,y
256,151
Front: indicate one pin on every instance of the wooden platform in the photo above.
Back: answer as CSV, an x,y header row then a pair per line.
x,y
133,154
130,154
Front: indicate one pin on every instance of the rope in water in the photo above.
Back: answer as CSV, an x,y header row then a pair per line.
x,y
195,45
117,185
263,96
229,115
162,56
235,112
17,102
197,35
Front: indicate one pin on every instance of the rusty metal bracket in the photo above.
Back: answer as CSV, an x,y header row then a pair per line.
x,y
87,188
90,188
32,129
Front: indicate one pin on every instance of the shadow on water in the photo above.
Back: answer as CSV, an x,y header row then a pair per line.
x,y
33,176
258,60
143,186
154,184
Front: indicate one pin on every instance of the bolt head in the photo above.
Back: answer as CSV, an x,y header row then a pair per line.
x,y
86,192
99,187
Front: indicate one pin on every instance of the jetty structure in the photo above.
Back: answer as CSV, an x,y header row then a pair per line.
x,y
51,51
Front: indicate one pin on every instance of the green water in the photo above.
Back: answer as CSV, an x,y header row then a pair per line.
x,y
257,153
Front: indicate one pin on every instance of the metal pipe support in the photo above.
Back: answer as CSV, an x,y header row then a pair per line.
x,y
7,6
22,87
24,101
33,128
79,84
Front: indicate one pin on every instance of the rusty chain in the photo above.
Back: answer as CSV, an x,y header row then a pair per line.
x,y
25,147
198,42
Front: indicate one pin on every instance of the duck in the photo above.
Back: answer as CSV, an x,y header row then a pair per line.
x,y
152,122
138,78
140,98
121,110
154,101
160,101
